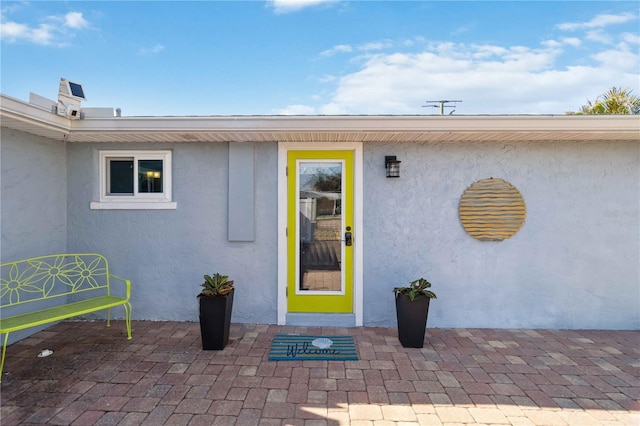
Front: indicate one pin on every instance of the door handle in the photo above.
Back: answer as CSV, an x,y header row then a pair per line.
x,y
348,238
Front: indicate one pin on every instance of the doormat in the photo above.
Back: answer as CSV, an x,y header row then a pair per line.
x,y
299,347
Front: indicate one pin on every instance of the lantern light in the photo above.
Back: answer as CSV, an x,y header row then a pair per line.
x,y
392,166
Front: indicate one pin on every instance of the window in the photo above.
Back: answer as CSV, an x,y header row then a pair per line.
x,y
135,180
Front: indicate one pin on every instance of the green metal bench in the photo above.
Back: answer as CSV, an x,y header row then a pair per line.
x,y
52,288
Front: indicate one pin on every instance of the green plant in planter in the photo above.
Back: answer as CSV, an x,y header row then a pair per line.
x,y
216,304
412,309
216,285
416,288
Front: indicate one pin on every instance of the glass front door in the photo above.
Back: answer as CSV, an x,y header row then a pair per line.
x,y
320,231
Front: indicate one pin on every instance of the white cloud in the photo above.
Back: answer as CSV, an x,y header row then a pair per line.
x,y
620,57
631,38
460,30
151,50
572,41
55,32
600,21
599,36
368,47
75,20
13,32
554,77
288,6
11,7
327,78
376,45
487,51
552,43
489,79
565,41
341,48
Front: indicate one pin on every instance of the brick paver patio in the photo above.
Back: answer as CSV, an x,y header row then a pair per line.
x,y
462,376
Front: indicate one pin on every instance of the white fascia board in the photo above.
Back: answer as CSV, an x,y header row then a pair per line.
x,y
33,114
256,124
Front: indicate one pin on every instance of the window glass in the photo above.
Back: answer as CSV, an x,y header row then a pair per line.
x,y
149,176
120,176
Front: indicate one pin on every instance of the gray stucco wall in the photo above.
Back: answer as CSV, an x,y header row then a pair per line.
x,y
574,263
165,253
33,210
33,213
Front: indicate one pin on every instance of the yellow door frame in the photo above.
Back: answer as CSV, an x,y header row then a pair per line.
x,y
305,301
282,285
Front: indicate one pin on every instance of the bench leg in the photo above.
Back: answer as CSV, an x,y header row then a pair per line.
x,y
127,316
4,351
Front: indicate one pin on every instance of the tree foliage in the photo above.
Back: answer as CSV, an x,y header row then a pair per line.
x,y
326,182
614,101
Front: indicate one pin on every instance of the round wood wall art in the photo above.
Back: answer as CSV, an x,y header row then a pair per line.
x,y
492,210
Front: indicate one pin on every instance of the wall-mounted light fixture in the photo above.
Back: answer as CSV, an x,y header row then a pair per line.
x,y
392,166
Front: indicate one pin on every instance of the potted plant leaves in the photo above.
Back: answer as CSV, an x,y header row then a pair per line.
x,y
216,303
412,308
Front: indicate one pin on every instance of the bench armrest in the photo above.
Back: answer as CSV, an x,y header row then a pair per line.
x,y
125,281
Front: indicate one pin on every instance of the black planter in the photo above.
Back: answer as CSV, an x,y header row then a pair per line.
x,y
215,321
412,320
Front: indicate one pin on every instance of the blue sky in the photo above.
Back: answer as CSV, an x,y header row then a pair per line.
x,y
322,57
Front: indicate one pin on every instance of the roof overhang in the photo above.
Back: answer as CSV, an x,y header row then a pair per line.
x,y
22,116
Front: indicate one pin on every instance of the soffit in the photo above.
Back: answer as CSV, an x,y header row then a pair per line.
x,y
28,118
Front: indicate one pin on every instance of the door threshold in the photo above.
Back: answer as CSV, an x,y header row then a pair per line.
x,y
321,320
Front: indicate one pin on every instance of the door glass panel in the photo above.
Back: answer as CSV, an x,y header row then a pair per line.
x,y
320,226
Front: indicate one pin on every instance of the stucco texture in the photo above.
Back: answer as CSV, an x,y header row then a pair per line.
x,y
574,263
165,253
33,207
33,210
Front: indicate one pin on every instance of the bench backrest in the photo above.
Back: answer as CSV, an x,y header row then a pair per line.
x,y
53,276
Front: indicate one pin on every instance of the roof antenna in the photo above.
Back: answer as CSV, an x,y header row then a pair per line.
x,y
442,105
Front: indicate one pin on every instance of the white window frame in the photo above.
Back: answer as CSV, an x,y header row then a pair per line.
x,y
136,201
